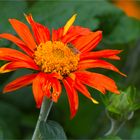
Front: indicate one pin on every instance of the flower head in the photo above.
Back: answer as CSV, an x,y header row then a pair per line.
x,y
62,56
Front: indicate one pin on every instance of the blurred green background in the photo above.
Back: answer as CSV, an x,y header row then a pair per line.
x,y
18,114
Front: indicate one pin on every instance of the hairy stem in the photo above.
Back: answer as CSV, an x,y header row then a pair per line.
x,y
44,112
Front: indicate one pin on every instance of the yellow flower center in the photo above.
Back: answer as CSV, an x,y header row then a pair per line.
x,y
56,57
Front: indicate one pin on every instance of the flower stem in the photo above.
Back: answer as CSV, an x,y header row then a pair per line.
x,y
44,112
116,125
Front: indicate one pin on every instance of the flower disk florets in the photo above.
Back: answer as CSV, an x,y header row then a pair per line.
x,y
56,57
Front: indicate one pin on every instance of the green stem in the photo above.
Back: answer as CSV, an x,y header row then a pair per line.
x,y
116,125
44,112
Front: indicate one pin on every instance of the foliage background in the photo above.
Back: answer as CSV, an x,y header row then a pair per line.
x,y
18,114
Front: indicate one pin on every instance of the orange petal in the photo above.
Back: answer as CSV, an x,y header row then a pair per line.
x,y
88,42
19,83
56,86
72,96
55,75
3,68
93,43
23,31
41,33
42,85
114,57
86,64
74,33
38,89
69,24
131,7
18,42
57,34
46,87
97,81
13,55
79,86
20,64
110,54
50,85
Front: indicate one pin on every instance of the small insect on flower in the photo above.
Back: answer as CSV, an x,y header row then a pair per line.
x,y
60,57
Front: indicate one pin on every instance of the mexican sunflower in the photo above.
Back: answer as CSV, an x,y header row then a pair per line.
x,y
131,7
60,57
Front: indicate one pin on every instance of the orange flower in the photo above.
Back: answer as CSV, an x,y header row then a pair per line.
x,y
62,56
131,8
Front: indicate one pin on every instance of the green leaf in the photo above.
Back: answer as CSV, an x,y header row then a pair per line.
x,y
1,133
132,94
90,14
10,9
126,31
109,138
9,114
136,131
117,27
133,97
15,96
51,130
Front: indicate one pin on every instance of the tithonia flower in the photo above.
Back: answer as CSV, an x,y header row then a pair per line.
x,y
60,57
130,7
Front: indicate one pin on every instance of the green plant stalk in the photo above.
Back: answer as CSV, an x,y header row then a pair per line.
x,y
116,125
44,112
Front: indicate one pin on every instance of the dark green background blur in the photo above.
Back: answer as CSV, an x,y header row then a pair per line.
x,y
18,113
